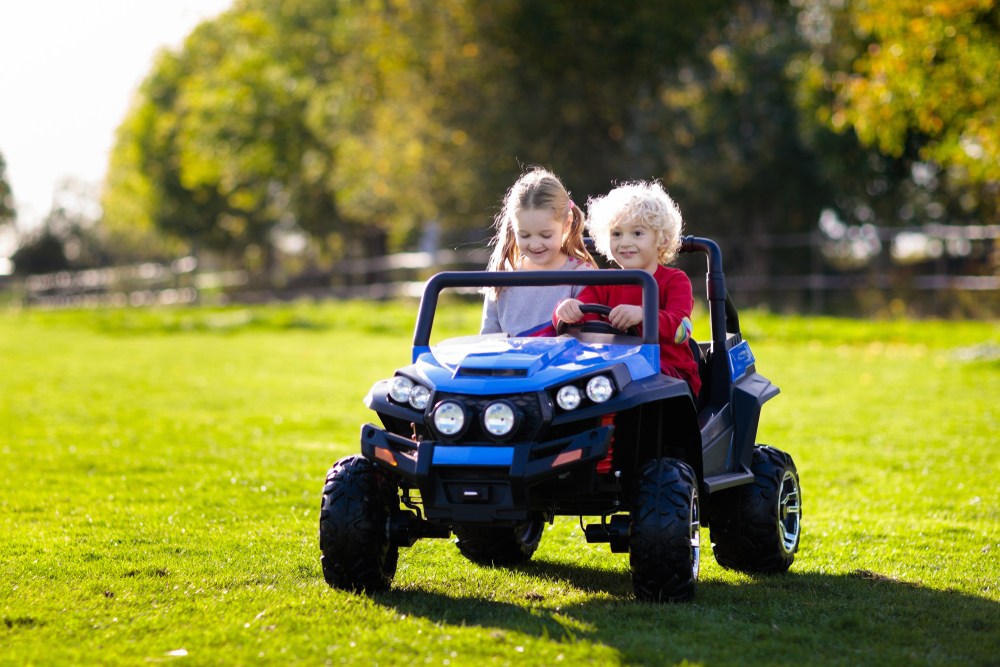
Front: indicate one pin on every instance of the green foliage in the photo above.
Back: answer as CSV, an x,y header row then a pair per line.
x,y
161,492
723,131
300,116
7,212
352,121
900,67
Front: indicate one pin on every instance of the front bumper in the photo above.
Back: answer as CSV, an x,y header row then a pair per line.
x,y
486,484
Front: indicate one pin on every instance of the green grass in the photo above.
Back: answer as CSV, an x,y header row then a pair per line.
x,y
161,473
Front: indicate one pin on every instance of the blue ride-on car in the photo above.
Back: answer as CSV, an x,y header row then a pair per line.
x,y
490,437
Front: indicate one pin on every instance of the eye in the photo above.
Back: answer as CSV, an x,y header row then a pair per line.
x,y
615,234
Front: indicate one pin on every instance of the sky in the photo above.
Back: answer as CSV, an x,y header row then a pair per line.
x,y
68,70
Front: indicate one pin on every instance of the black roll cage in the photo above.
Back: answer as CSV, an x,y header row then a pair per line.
x,y
722,311
428,302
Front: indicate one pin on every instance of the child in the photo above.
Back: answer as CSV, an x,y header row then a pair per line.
x,y
638,226
539,229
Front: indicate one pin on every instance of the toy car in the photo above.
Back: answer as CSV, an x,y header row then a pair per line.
x,y
490,437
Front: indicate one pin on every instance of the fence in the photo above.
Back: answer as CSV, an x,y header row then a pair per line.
x,y
400,274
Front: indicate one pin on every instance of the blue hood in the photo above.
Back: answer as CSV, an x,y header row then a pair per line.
x,y
514,365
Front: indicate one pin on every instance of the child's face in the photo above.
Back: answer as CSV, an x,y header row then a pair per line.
x,y
634,246
539,238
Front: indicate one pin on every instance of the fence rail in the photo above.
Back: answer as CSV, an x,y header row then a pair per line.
x,y
179,282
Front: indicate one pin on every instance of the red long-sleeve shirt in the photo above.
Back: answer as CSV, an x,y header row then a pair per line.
x,y
676,302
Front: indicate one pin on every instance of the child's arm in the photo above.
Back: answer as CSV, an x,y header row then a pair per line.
x,y
491,316
676,302
674,317
568,310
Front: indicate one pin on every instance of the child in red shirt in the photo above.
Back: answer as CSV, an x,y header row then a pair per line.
x,y
638,226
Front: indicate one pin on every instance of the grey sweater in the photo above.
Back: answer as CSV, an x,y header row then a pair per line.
x,y
527,311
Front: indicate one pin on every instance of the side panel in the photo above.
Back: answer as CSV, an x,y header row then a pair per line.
x,y
668,428
749,395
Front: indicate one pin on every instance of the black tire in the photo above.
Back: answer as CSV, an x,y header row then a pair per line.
x,y
664,533
751,531
500,546
358,499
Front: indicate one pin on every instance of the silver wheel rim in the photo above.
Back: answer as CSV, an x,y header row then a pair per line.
x,y
789,512
694,532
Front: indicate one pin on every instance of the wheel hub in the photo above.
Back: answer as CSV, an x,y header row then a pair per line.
x,y
789,512
694,532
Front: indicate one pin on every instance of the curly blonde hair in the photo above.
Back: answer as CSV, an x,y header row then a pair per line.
x,y
642,202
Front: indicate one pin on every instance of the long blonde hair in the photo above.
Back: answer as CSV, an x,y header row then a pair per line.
x,y
537,189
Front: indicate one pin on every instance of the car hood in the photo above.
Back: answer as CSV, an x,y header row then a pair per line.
x,y
512,365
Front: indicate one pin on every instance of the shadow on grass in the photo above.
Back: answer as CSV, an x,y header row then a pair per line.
x,y
857,618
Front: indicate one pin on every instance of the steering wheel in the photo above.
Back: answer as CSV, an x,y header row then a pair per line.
x,y
598,326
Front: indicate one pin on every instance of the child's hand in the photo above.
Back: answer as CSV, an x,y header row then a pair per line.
x,y
622,317
569,311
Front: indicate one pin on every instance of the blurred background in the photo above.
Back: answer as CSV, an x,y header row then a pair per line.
x,y
844,153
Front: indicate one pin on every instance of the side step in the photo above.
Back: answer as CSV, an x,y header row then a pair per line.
x,y
729,480
616,534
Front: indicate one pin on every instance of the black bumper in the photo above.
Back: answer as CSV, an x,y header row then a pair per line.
x,y
481,484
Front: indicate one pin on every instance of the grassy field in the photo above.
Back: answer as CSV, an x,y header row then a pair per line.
x,y
161,473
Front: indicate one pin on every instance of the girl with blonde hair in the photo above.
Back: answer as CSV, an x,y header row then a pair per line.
x,y
539,229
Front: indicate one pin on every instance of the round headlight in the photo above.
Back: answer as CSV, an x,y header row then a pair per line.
x,y
419,395
498,419
449,418
568,397
400,388
599,389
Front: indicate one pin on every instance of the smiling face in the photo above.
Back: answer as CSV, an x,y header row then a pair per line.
x,y
539,239
634,246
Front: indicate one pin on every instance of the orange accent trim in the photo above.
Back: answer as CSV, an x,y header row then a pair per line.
x,y
385,455
568,457
604,465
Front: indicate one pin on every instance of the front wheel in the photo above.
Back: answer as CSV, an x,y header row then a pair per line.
x,y
500,546
665,532
756,527
358,499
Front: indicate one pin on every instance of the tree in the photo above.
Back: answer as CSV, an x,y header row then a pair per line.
x,y
7,212
360,121
297,116
898,68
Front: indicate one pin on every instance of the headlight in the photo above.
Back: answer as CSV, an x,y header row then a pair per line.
x,y
449,418
419,395
568,397
498,418
599,389
400,388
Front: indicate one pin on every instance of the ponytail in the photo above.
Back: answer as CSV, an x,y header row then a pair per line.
x,y
573,238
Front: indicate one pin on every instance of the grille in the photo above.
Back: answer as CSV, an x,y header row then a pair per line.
x,y
530,420
493,372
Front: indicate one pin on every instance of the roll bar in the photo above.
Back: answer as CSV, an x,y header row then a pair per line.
x,y
428,302
722,312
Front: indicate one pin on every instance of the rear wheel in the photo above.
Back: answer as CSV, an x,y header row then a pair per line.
x,y
756,527
665,532
358,499
500,546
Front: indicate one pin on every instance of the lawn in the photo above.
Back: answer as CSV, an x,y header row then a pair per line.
x,y
161,474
